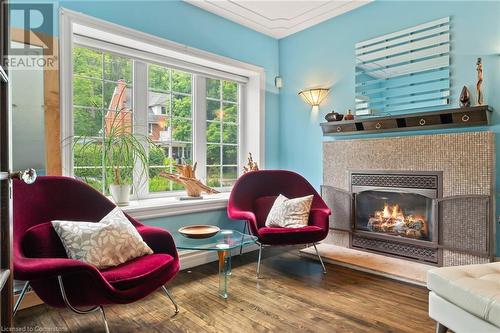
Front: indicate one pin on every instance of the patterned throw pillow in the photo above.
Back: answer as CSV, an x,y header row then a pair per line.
x,y
289,213
109,242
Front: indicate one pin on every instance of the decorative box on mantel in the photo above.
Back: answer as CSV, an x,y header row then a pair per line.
x,y
449,118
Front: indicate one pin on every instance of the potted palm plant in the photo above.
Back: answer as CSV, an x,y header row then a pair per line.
x,y
123,152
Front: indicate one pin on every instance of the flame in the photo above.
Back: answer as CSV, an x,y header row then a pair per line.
x,y
385,212
392,212
393,219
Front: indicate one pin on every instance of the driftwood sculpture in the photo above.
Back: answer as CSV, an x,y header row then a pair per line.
x,y
187,177
251,165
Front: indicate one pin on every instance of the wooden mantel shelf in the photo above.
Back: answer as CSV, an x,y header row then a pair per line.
x,y
449,118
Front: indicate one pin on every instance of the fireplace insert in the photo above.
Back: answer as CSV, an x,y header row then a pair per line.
x,y
404,214
395,212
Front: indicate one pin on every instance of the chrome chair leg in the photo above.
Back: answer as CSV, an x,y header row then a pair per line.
x,y
106,328
320,260
243,236
171,299
440,328
258,262
76,310
68,304
20,298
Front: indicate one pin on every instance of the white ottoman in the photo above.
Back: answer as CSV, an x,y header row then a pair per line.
x,y
465,298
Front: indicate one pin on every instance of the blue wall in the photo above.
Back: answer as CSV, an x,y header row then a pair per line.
x,y
324,56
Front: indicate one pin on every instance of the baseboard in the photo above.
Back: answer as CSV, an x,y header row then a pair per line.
x,y
188,259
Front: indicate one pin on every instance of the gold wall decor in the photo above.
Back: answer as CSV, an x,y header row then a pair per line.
x,y
251,165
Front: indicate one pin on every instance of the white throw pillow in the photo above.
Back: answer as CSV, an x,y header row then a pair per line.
x,y
289,213
109,242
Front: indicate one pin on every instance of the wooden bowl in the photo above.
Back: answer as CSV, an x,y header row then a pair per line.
x,y
199,231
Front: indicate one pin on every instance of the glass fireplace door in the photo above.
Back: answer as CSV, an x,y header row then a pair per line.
x,y
395,213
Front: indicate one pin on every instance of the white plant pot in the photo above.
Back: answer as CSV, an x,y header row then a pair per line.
x,y
120,194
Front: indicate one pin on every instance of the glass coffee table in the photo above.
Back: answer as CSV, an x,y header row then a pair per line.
x,y
223,242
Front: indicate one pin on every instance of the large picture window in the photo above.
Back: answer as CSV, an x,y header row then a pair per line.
x,y
104,87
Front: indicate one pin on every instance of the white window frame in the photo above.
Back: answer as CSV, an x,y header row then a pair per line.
x,y
151,49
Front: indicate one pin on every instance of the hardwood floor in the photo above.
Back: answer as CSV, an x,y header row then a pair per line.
x,y
292,296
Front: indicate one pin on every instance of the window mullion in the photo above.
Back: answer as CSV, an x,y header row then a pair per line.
x,y
104,110
221,141
200,126
140,116
171,126
242,146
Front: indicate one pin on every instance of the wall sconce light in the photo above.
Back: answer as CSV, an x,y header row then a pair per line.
x,y
314,97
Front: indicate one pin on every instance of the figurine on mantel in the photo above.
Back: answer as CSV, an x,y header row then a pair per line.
x,y
465,97
479,84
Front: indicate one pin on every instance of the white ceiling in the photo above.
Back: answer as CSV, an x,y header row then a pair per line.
x,y
278,18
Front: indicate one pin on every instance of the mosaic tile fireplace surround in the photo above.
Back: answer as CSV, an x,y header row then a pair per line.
x,y
427,198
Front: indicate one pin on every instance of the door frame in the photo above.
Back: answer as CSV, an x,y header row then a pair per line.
x,y
6,267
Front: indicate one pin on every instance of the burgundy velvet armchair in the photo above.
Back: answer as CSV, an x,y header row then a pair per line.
x,y
253,196
41,261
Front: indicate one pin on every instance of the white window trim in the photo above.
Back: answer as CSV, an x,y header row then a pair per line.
x,y
252,117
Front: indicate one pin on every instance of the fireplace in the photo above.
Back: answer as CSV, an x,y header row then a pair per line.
x,y
436,208
393,204
395,213
404,214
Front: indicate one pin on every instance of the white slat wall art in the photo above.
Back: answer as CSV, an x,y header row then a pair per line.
x,y
404,70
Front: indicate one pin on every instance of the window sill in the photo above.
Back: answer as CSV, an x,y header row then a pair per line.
x,y
161,207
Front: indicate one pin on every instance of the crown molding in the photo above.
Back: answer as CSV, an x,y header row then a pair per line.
x,y
259,16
